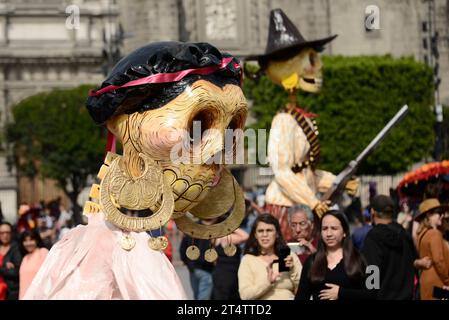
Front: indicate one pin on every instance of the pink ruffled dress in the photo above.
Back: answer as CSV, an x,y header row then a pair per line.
x,y
89,263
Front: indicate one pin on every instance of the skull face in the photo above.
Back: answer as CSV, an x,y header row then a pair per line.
x,y
163,133
302,71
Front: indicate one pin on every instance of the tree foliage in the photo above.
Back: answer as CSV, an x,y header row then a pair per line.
x,y
360,95
53,136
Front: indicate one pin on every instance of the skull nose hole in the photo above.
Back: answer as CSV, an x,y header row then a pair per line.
x,y
236,122
202,121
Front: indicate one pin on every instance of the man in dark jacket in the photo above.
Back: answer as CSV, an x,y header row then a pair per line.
x,y
390,248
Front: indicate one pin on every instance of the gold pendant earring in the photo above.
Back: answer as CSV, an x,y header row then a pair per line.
x,y
210,255
230,249
162,240
127,241
160,243
152,243
193,252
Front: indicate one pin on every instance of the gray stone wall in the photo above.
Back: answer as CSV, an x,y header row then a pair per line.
x,y
146,21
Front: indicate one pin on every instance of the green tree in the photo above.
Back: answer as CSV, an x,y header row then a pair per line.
x,y
360,95
53,136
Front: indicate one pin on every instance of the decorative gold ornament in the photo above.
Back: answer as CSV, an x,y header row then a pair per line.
x,y
193,252
153,243
137,193
230,250
95,191
91,208
218,200
102,172
127,242
232,222
117,187
210,255
162,242
110,156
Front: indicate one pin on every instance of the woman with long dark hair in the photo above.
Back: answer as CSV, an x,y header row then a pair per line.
x,y
259,275
34,254
336,270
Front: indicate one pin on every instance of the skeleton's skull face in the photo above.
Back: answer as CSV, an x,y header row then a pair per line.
x,y
304,69
160,133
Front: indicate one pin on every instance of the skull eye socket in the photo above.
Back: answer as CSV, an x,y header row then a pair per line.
x,y
202,121
312,58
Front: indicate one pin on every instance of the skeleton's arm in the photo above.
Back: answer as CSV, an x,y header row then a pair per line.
x,y
324,180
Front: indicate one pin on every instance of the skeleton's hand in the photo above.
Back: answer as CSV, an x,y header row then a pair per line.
x,y
352,186
321,208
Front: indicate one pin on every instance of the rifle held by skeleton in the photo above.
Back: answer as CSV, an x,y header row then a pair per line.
x,y
338,186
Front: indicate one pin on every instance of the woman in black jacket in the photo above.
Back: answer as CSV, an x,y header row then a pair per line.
x,y
10,254
336,270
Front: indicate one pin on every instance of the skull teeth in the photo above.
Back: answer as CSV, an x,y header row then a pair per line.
x,y
309,80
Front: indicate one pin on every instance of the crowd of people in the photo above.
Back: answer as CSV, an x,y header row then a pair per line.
x,y
24,245
386,257
329,258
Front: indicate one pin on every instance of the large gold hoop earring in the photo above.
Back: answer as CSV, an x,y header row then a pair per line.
x,y
118,190
218,200
231,223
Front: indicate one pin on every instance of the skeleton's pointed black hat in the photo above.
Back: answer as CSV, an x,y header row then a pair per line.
x,y
284,39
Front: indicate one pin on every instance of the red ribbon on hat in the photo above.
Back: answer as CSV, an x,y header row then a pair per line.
x,y
166,77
